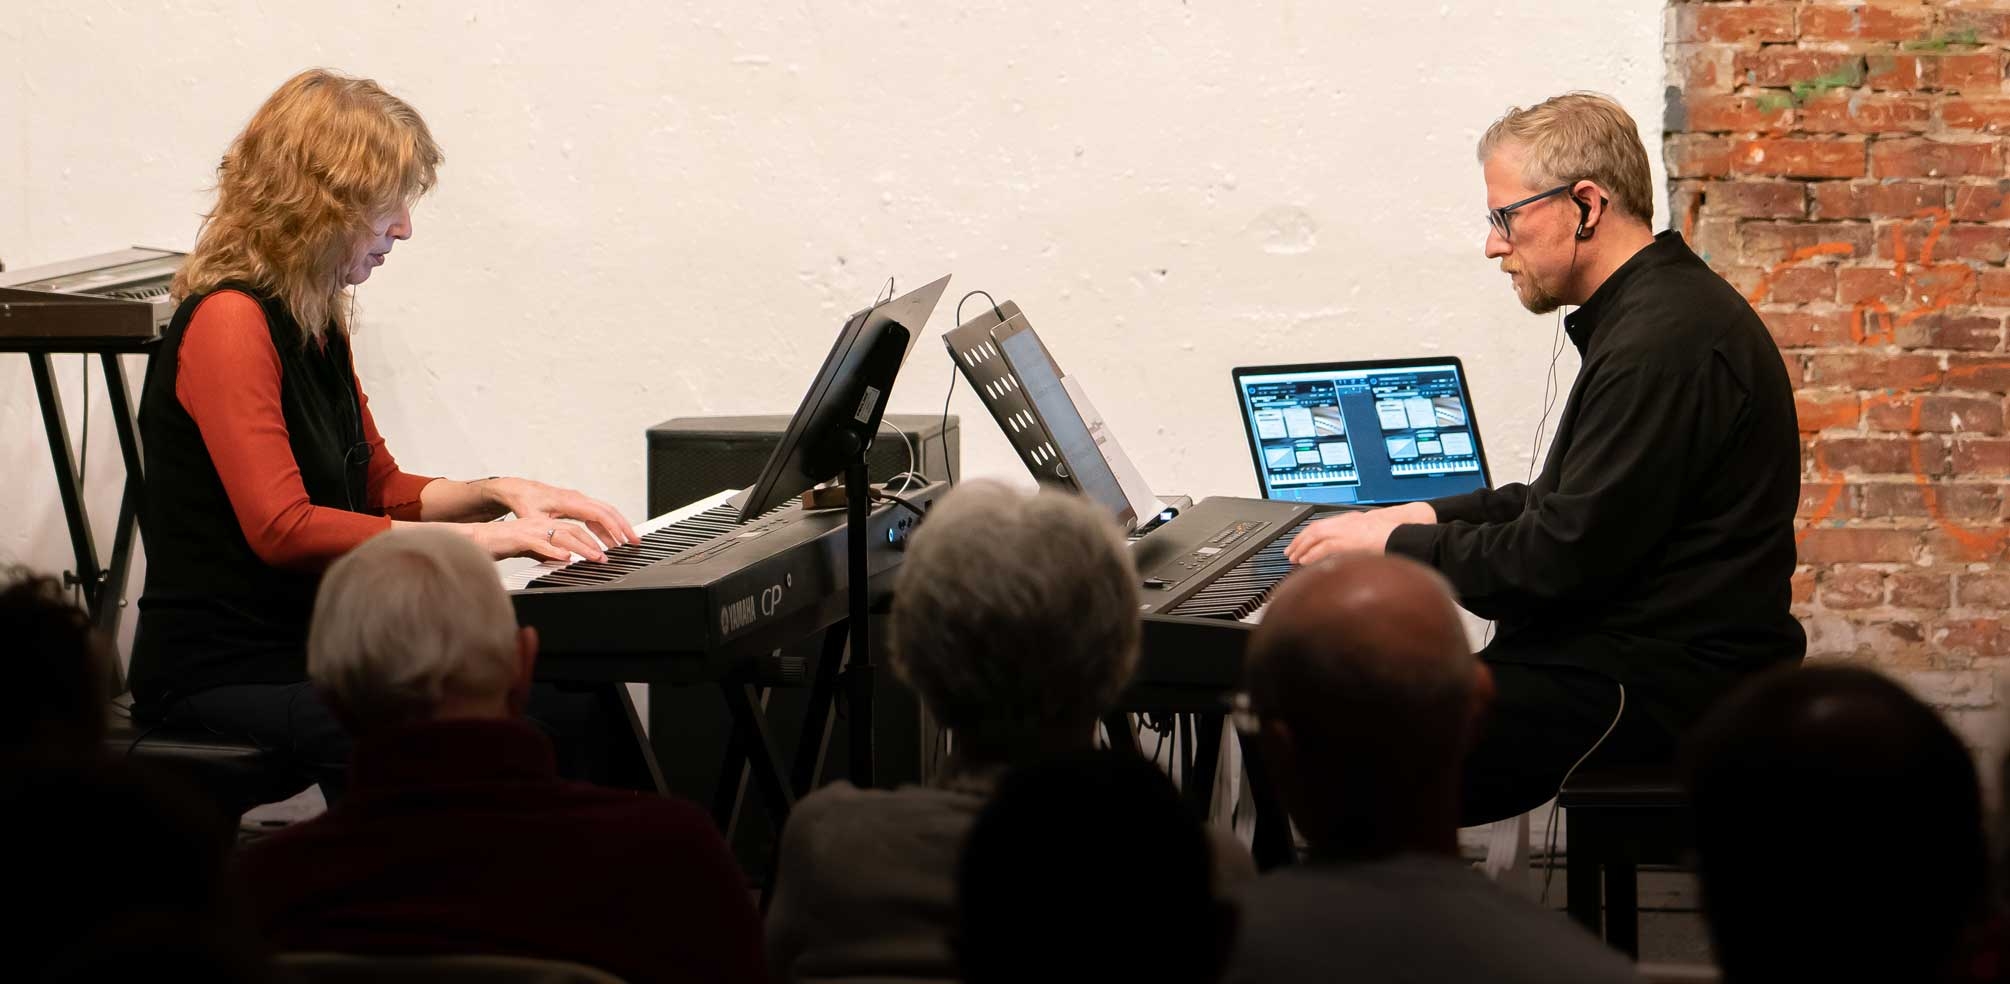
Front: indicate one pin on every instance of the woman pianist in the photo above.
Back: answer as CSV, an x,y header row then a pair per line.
x,y
263,462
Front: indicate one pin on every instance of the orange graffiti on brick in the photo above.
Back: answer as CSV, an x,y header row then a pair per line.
x,y
1929,289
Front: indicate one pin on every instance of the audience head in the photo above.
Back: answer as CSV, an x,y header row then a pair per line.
x,y
1831,805
1366,696
59,672
108,853
1089,867
413,625
1015,618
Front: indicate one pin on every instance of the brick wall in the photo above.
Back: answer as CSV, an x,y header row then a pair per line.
x,y
1844,165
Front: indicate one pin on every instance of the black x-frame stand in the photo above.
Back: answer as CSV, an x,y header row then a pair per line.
x,y
103,582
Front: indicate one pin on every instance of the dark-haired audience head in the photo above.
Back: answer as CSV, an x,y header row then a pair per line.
x,y
1015,618
108,858
414,626
1089,867
1798,780
58,673
1367,696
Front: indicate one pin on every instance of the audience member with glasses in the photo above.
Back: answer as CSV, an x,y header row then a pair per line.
x,y
263,462
1647,568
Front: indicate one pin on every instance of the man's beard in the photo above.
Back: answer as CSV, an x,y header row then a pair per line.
x,y
1533,295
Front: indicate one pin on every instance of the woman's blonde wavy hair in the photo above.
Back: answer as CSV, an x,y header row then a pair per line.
x,y
319,163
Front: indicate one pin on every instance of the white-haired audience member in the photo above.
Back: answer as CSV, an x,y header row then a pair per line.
x,y
457,835
1015,621
1366,696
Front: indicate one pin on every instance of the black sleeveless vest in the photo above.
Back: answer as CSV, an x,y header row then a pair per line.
x,y
212,612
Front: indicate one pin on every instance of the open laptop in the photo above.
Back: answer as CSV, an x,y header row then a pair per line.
x,y
1362,434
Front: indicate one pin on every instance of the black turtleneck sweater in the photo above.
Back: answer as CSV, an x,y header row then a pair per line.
x,y
1657,545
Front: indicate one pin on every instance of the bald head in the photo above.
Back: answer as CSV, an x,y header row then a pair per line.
x,y
1365,684
1389,620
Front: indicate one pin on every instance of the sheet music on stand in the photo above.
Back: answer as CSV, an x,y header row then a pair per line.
x,y
1047,415
1132,481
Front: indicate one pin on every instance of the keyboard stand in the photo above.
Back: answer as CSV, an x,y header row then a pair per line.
x,y
631,761
818,719
750,748
103,582
750,753
751,759
1198,719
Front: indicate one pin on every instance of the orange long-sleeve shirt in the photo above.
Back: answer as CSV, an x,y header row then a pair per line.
x,y
228,380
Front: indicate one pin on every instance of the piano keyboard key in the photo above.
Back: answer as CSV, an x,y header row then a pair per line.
x,y
1240,592
143,292
653,542
664,541
1256,617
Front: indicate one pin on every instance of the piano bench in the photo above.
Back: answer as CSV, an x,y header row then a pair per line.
x,y
1616,820
234,776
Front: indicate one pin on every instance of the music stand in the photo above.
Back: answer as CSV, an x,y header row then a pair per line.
x,y
828,436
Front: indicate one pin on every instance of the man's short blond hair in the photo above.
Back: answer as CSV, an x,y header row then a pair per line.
x,y
1578,136
406,619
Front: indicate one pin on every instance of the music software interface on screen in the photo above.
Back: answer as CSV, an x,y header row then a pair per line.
x,y
1372,435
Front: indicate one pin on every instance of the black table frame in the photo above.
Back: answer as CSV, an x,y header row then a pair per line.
x,y
103,582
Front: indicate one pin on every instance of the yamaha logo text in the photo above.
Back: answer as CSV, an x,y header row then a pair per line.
x,y
746,611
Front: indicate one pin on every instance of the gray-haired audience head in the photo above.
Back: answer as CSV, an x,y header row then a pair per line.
x,y
1368,696
1015,618
414,625
1803,781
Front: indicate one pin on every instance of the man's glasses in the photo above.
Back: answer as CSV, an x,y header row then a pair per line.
x,y
1498,217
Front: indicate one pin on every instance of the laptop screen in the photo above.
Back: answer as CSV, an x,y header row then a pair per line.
x,y
1362,433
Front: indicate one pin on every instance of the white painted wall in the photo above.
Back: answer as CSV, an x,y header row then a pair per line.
x,y
659,209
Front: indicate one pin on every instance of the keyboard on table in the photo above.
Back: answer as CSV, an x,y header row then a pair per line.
x,y
111,301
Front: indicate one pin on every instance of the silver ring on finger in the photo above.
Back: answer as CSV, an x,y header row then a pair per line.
x,y
548,534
